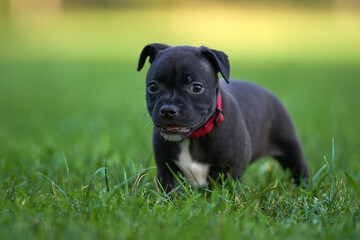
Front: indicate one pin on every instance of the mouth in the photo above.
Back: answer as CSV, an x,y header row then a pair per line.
x,y
175,129
177,133
174,133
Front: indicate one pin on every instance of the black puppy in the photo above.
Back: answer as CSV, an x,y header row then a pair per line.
x,y
203,126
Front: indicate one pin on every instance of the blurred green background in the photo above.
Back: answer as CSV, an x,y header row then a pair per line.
x,y
68,80
72,102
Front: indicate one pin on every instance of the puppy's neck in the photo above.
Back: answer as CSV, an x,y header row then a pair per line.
x,y
216,119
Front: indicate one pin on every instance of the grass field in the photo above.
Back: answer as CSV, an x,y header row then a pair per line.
x,y
75,139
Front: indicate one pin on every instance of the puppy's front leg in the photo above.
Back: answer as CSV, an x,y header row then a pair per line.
x,y
165,153
165,178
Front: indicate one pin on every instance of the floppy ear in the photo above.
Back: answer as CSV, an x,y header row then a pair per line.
x,y
219,60
150,50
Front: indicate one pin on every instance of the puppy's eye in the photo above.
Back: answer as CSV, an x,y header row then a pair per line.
x,y
197,88
153,87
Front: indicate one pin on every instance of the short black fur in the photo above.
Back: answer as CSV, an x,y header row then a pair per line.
x,y
255,123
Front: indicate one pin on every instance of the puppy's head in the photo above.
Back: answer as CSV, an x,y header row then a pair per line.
x,y
182,87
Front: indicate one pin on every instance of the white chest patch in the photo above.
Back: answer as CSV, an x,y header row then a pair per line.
x,y
196,173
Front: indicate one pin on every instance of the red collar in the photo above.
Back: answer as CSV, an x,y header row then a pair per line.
x,y
214,121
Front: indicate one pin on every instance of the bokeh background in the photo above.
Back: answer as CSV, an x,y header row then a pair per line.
x,y
69,86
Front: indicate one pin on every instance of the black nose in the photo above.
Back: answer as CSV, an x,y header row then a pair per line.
x,y
167,111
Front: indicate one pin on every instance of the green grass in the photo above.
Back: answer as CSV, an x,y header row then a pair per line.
x,y
78,118
75,144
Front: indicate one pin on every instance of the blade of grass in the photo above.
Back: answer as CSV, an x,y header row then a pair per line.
x,y
332,166
272,186
57,186
106,174
136,180
331,176
332,157
66,165
92,179
178,180
94,175
353,184
318,173
126,181
222,197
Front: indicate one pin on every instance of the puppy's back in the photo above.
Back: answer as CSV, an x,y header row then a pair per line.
x,y
265,116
